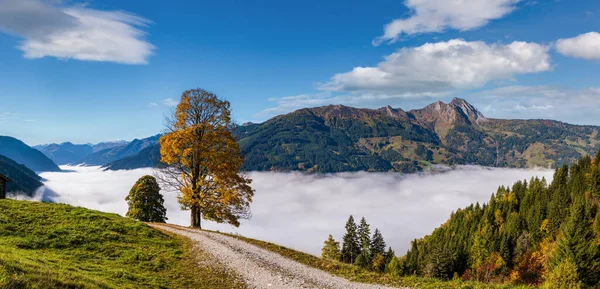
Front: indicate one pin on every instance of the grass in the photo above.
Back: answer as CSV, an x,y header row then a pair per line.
x,y
358,274
60,246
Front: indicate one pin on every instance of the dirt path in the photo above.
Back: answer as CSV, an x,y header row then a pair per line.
x,y
261,268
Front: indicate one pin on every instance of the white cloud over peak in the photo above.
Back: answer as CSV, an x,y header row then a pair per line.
x,y
586,46
440,15
443,66
75,32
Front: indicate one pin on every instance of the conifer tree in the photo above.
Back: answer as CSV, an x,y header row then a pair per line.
x,y
350,244
389,255
363,260
364,237
377,244
331,250
578,244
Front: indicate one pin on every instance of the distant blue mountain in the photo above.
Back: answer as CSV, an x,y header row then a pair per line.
x,y
23,154
100,154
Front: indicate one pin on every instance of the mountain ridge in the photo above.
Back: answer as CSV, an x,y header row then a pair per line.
x,y
338,138
21,153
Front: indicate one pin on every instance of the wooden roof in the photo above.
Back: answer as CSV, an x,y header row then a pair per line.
x,y
4,178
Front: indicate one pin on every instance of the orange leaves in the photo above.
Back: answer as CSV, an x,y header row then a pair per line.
x,y
205,154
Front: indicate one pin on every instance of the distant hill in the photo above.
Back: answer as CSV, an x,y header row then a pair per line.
x,y
65,153
99,154
338,138
148,157
23,154
22,179
106,156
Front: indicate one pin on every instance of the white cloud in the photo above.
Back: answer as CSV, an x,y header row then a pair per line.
x,y
75,32
439,15
586,46
572,105
152,104
170,102
443,66
300,211
364,100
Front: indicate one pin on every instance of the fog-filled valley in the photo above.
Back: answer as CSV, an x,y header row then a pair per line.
x,y
299,210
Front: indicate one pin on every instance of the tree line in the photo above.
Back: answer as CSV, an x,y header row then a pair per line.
x,y
534,232
359,247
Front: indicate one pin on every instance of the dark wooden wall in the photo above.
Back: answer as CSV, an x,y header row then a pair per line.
x,y
2,189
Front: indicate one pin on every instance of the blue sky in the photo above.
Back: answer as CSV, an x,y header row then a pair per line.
x,y
104,70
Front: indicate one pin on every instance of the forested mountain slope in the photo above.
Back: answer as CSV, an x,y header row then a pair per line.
x,y
338,138
23,180
531,233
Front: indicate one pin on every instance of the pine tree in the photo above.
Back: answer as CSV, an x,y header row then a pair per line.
x,y
578,244
364,237
389,255
564,276
145,201
363,260
377,245
331,250
350,245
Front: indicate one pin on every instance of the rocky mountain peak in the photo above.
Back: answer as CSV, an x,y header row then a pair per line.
x,y
474,115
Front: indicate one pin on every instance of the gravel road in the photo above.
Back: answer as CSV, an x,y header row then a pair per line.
x,y
261,268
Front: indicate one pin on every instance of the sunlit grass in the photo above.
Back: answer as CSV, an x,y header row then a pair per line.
x,y
60,246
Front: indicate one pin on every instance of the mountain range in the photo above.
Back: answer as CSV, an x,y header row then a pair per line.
x,y
95,155
21,153
338,138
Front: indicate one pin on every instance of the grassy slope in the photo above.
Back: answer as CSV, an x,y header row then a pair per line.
x,y
60,246
357,274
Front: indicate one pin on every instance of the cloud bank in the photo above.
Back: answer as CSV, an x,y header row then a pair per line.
x,y
586,46
443,66
440,15
300,211
75,32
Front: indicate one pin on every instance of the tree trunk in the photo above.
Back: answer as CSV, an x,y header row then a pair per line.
x,y
194,221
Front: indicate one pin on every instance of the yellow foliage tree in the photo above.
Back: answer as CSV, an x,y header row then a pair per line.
x,y
203,160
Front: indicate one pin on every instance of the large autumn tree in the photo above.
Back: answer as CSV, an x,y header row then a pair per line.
x,y
203,160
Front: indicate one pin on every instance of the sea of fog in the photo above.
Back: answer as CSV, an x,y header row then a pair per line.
x,y
299,210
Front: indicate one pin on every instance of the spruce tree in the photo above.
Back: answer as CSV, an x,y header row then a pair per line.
x,y
578,244
145,201
350,244
364,237
389,255
331,250
377,245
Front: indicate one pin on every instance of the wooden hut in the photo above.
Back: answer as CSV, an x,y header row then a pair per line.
x,y
3,181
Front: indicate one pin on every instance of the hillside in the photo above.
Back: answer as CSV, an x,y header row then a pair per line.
x,y
148,157
59,246
531,233
338,138
23,180
23,154
65,153
111,154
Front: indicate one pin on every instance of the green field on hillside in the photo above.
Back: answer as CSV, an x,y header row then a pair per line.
x,y
60,246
